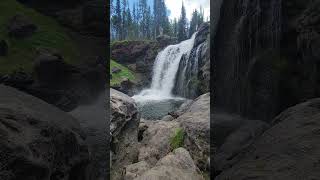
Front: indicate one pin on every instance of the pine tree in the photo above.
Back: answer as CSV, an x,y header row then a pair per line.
x,y
156,15
194,22
130,24
148,23
200,16
175,27
117,20
182,26
142,15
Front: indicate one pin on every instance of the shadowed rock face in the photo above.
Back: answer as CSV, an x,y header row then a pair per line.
x,y
39,141
124,130
264,56
288,150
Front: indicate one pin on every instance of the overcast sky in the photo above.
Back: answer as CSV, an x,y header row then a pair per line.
x,y
175,7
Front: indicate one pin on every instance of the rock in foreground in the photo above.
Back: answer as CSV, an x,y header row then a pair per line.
x,y
39,141
124,130
288,150
196,124
176,165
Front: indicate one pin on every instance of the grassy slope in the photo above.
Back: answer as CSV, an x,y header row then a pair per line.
x,y
22,52
124,73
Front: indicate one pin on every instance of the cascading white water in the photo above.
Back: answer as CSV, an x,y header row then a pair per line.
x,y
164,71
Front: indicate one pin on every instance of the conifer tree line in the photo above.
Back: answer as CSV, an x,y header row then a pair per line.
x,y
143,22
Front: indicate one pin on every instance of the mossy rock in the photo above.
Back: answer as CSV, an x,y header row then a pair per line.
x,y
119,76
177,140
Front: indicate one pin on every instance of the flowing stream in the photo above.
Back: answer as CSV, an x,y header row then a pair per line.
x,y
159,99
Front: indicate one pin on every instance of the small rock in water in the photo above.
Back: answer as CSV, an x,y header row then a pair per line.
x,y
167,118
173,114
4,48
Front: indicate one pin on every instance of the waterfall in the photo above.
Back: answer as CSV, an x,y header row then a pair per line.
x,y
165,70
187,77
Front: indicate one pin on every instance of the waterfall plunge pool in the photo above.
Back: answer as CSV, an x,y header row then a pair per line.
x,y
157,109
153,106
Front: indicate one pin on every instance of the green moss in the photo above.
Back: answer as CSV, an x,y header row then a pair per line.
x,y
123,42
118,77
22,52
177,139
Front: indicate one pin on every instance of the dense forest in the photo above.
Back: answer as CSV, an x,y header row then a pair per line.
x,y
141,21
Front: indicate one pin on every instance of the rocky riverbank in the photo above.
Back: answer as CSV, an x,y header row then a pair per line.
x,y
174,147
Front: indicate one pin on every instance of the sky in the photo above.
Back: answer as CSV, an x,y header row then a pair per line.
x,y
174,7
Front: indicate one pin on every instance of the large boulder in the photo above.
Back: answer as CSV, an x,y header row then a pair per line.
x,y
196,124
224,124
39,141
124,127
236,144
176,165
50,69
20,26
136,169
288,150
155,140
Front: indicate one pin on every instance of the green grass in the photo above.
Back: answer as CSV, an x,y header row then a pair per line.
x,y
22,52
118,77
177,139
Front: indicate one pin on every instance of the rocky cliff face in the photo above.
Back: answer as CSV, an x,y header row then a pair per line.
x,y
193,76
264,56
